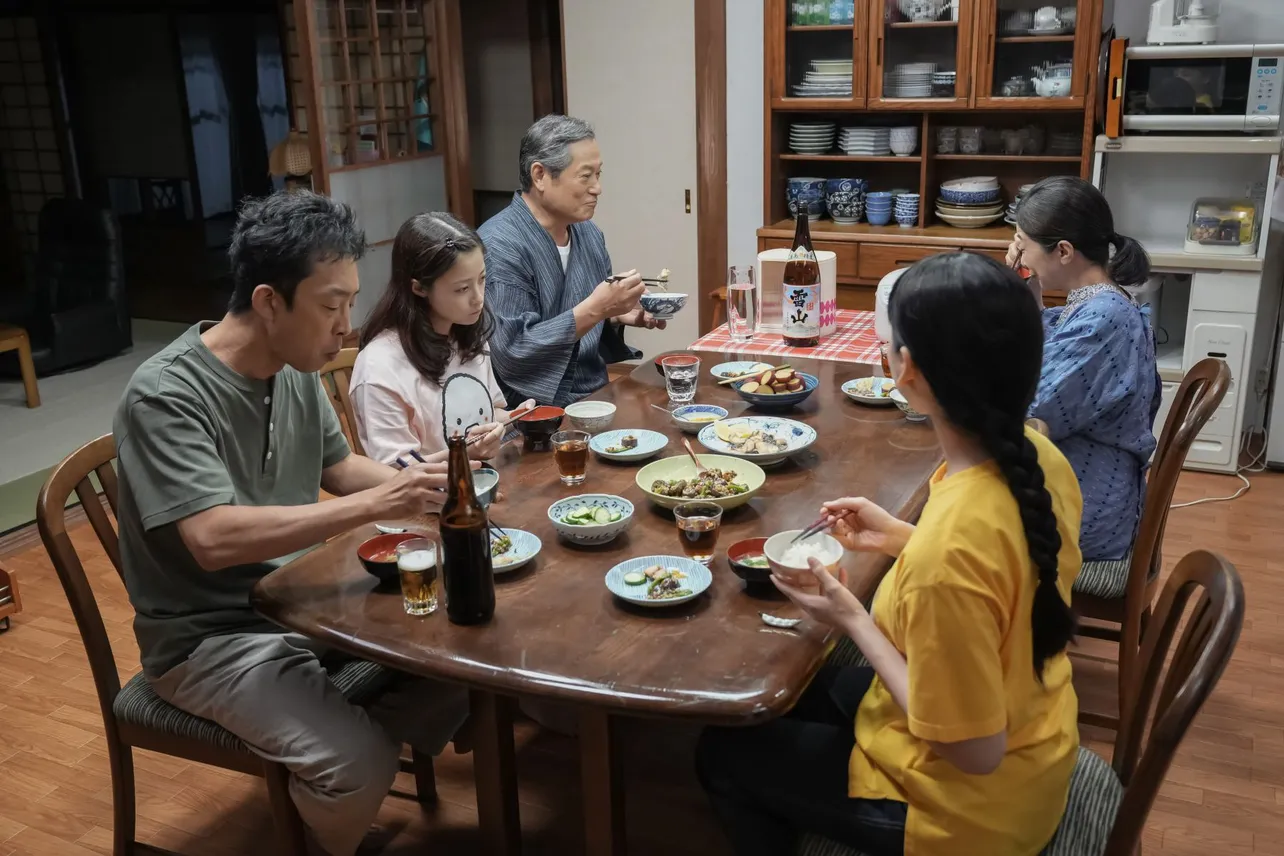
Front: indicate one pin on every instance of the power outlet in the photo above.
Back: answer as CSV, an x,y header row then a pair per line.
x,y
1257,190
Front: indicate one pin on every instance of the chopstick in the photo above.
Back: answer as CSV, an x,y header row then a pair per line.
x,y
513,417
814,529
738,378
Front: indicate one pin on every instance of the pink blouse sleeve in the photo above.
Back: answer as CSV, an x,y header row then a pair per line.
x,y
384,423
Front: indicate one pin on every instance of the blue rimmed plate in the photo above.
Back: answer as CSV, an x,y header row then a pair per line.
x,y
732,437
874,391
697,580
526,546
739,367
609,444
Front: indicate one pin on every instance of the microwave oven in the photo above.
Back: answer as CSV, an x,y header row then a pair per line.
x,y
1214,89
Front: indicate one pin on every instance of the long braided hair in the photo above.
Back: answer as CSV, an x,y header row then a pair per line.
x,y
975,333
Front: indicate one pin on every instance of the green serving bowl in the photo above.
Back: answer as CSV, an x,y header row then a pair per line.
x,y
681,467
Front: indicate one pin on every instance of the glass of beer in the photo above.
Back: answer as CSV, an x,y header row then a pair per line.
x,y
698,524
418,561
571,451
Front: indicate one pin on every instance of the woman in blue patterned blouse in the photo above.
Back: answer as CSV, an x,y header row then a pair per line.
x,y
1099,390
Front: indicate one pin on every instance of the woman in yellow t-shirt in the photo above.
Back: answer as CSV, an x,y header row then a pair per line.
x,y
964,734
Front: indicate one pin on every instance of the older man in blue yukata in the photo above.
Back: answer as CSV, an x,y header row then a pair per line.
x,y
559,316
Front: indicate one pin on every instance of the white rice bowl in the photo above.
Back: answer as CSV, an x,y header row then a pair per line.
x,y
791,559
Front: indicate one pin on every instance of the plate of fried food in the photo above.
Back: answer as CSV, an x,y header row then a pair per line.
x,y
658,580
874,391
725,481
765,440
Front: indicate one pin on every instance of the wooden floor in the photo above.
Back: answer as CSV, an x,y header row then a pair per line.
x,y
1224,795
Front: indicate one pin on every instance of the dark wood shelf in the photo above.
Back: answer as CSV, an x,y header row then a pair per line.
x,y
1031,40
820,28
989,237
922,25
790,156
1013,158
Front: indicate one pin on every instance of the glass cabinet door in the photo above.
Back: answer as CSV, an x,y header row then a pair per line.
x,y
817,64
921,53
1034,54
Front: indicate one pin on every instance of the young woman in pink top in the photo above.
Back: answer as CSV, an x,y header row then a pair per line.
x,y
424,371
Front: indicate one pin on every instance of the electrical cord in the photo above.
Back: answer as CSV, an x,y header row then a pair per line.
x,y
1256,464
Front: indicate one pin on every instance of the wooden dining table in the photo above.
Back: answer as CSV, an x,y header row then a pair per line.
x,y
559,635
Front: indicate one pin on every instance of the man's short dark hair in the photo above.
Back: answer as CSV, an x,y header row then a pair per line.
x,y
280,238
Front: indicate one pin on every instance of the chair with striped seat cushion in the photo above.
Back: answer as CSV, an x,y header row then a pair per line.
x,y
137,704
1094,799
1107,579
134,717
1117,596
1107,804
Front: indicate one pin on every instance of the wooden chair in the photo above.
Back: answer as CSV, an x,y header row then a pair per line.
x,y
336,376
1119,594
133,715
719,308
1108,804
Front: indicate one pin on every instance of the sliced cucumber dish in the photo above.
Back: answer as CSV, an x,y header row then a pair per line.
x,y
593,515
635,578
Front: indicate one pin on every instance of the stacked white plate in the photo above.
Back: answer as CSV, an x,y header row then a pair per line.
x,y
871,142
827,78
909,80
812,138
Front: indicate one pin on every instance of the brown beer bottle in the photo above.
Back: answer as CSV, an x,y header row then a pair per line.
x,y
800,290
465,544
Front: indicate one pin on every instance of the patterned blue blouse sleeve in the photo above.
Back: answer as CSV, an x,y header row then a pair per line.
x,y
1091,366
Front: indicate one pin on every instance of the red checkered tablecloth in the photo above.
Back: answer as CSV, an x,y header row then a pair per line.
x,y
852,342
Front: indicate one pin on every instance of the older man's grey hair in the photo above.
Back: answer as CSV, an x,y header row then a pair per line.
x,y
549,142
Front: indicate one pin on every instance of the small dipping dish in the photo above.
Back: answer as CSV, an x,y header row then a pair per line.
x,y
750,563
378,555
485,485
539,426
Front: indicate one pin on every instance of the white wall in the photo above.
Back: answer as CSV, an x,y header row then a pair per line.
x,y
1240,21
744,130
643,107
497,72
384,197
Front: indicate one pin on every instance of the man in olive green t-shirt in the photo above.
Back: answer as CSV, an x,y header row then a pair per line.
x,y
224,440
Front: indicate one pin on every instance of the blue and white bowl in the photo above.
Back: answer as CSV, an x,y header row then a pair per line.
x,y
797,435
806,192
878,217
649,444
844,206
663,304
698,579
591,533
845,185
693,418
526,546
780,400
969,197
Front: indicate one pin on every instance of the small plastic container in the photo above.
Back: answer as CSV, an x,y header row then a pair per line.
x,y
1223,226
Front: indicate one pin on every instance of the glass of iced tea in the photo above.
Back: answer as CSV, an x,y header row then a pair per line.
x,y
571,451
418,561
698,524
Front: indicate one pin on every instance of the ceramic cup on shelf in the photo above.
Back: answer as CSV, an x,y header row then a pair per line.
x,y
1047,18
947,140
970,141
1012,142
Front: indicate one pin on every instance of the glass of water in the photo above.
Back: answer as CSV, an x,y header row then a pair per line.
x,y
681,372
742,303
